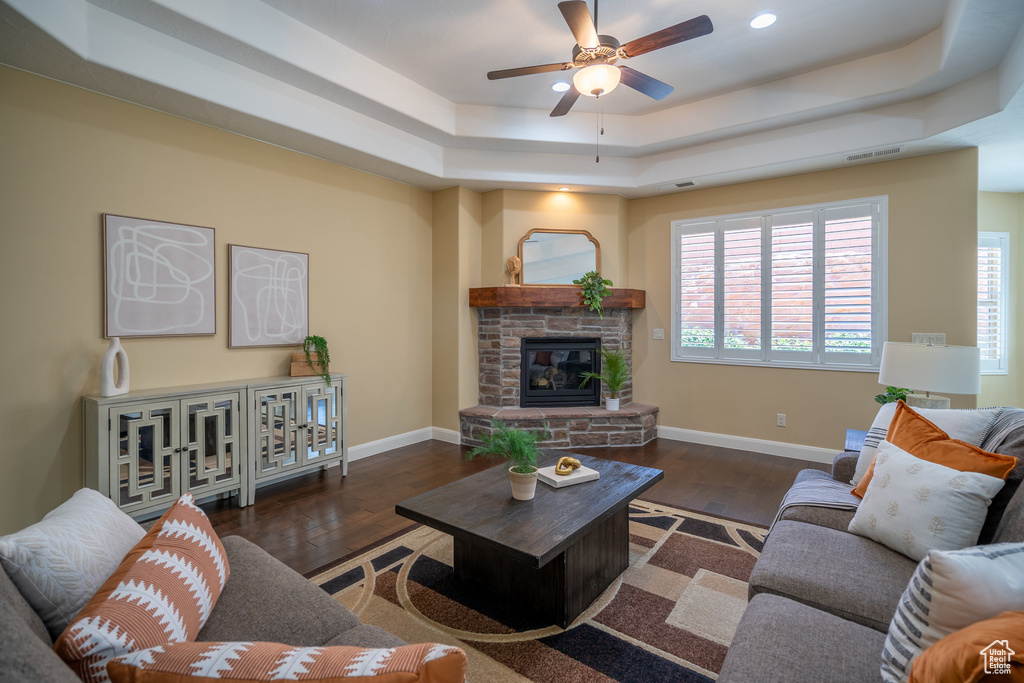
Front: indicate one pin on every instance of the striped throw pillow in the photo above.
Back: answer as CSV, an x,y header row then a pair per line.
x,y
950,590
181,662
162,592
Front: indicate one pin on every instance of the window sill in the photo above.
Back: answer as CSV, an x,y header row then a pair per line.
x,y
840,367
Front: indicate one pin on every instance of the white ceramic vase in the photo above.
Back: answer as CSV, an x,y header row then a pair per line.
x,y
524,486
115,354
611,404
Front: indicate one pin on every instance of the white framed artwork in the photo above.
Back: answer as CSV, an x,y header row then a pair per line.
x,y
269,297
158,278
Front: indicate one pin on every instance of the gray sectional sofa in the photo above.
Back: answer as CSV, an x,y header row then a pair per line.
x,y
263,600
821,598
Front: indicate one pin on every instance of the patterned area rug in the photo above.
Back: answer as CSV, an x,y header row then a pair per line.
x,y
669,617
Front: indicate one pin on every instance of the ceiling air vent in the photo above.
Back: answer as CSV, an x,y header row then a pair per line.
x,y
872,155
686,183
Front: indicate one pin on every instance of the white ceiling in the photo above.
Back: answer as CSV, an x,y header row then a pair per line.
x,y
398,88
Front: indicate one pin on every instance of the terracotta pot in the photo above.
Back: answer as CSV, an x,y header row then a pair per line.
x,y
611,404
524,486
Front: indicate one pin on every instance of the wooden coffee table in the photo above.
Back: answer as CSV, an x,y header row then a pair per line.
x,y
554,554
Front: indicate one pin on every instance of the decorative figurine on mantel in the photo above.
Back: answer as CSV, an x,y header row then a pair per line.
x,y
514,265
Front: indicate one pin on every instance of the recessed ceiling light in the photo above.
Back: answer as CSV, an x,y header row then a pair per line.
x,y
560,86
763,20
563,189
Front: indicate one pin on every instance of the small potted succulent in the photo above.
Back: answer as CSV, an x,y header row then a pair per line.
x,y
614,373
518,447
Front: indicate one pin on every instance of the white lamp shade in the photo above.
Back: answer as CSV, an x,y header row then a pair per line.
x,y
923,367
596,79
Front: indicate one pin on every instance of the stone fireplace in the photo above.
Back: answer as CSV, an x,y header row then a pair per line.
x,y
508,316
553,372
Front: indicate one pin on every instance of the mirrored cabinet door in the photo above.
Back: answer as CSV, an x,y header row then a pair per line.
x,y
322,420
145,461
211,438
277,430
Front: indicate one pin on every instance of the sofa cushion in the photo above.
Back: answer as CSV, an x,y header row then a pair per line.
x,y
163,591
264,600
366,635
254,662
951,590
1012,444
812,514
26,657
14,609
782,641
59,562
849,576
1011,526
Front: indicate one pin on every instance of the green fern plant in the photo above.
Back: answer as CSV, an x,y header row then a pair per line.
x,y
614,372
318,345
517,446
593,288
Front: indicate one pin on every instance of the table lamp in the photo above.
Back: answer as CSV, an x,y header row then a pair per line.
x,y
928,368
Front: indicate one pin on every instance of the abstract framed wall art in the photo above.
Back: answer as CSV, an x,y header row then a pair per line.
x,y
269,297
159,278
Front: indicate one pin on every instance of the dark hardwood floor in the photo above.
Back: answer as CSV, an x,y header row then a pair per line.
x,y
310,521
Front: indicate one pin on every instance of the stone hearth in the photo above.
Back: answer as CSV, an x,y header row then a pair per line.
x,y
501,329
632,425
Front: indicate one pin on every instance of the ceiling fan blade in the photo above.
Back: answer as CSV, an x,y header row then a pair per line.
x,y
565,104
649,86
694,28
577,15
526,70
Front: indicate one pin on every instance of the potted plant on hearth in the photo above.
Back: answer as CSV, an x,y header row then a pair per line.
x,y
518,447
317,359
614,374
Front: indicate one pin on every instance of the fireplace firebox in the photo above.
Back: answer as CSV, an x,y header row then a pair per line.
x,y
552,368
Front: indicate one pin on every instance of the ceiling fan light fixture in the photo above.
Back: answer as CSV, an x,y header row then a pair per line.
x,y
763,20
597,79
560,86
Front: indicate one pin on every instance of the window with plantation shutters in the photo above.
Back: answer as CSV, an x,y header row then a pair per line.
x,y
796,287
993,281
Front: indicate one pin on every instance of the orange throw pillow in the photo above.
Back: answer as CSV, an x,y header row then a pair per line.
x,y
250,662
966,655
162,592
921,438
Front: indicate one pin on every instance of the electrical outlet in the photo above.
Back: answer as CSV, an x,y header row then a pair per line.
x,y
780,420
658,333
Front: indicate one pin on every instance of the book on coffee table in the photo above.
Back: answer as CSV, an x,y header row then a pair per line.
x,y
577,476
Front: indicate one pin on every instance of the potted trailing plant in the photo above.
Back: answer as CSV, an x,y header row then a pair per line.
x,y
614,373
518,447
891,395
593,288
317,356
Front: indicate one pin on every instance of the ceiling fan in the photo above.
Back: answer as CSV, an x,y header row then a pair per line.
x,y
595,56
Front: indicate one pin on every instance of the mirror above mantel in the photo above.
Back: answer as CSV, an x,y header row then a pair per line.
x,y
551,256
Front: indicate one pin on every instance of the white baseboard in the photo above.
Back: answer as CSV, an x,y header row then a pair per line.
x,y
744,443
365,450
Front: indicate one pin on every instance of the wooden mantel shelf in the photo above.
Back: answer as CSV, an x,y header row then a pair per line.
x,y
551,297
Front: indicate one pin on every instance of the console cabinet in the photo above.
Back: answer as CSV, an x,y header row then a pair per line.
x,y
145,449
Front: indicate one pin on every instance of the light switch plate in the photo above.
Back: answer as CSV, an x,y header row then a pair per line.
x,y
658,333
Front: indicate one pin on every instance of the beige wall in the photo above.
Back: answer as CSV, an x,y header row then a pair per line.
x,y
69,155
1004,212
509,214
456,264
932,242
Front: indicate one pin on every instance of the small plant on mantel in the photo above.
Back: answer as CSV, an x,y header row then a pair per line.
x,y
519,448
593,288
321,366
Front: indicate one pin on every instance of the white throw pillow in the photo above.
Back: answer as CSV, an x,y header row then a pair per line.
x,y
60,562
950,590
970,426
913,506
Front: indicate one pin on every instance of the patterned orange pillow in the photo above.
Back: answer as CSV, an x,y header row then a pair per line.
x,y
206,662
919,436
162,592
